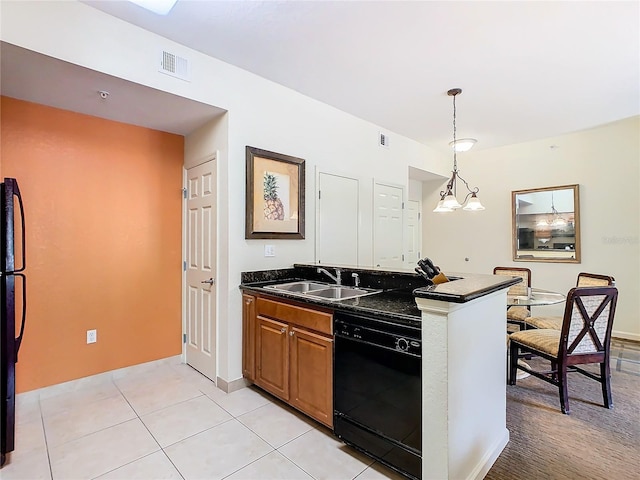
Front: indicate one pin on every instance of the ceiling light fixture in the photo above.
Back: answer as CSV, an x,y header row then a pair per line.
x,y
463,144
160,7
448,201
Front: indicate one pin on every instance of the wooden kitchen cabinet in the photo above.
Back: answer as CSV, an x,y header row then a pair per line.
x,y
291,350
248,336
311,374
272,357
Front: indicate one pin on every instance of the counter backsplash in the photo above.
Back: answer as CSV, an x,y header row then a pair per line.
x,y
379,279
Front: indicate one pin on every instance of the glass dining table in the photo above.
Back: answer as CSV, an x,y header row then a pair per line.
x,y
535,297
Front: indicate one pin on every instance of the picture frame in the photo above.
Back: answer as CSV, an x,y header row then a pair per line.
x,y
275,192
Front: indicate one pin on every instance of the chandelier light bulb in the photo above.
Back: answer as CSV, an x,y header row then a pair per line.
x,y
451,202
440,208
473,204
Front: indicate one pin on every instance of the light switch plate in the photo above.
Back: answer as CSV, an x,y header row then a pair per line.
x,y
92,336
269,251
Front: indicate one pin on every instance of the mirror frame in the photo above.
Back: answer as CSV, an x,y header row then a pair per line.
x,y
576,212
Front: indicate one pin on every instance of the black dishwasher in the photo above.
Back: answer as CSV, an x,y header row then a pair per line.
x,y
377,390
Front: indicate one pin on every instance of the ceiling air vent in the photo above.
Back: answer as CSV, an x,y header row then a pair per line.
x,y
383,139
174,65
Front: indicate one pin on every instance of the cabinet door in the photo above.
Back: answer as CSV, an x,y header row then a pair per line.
x,y
312,374
272,357
248,337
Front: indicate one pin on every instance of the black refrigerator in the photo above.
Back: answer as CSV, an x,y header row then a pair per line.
x,y
12,265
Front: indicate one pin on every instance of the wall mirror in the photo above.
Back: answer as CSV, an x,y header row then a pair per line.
x,y
546,224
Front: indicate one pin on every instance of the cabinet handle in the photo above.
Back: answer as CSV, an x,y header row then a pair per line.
x,y
282,330
291,333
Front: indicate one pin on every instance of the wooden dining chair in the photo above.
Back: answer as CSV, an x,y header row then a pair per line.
x,y
584,280
585,338
517,315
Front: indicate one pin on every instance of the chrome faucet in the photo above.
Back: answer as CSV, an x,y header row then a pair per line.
x,y
335,278
356,279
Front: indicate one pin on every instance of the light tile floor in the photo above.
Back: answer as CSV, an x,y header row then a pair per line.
x,y
164,420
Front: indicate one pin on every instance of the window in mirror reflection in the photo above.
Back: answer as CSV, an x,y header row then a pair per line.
x,y
546,224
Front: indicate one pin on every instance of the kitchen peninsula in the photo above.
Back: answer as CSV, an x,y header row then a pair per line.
x,y
443,379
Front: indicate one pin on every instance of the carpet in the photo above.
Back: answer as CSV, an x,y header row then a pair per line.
x,y
591,443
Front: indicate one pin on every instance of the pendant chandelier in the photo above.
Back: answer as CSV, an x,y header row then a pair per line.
x,y
448,201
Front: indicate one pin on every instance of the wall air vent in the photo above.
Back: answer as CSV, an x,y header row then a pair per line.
x,y
174,65
383,139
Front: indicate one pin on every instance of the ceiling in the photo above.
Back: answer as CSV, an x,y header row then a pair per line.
x,y
34,77
528,70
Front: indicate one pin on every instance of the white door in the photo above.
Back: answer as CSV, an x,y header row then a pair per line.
x,y
200,287
387,225
413,235
337,226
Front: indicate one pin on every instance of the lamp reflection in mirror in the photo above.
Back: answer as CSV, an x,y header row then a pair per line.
x,y
448,201
554,219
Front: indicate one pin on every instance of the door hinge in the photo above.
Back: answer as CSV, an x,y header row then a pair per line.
x,y
319,194
419,215
184,338
184,266
184,193
402,205
403,257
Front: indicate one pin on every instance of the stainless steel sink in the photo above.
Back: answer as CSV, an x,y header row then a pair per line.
x,y
299,287
341,293
322,290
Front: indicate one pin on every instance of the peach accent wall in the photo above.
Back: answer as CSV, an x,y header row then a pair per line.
x,y
103,220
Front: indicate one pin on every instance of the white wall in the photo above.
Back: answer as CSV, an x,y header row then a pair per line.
x,y
415,190
604,161
260,114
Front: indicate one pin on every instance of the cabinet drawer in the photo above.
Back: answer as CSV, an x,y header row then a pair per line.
x,y
293,314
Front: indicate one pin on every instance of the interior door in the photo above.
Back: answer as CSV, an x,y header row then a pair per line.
x,y
337,226
200,288
413,237
387,225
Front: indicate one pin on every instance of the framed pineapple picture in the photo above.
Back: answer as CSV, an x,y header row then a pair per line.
x,y
275,195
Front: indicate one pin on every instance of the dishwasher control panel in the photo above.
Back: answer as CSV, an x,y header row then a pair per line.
x,y
381,334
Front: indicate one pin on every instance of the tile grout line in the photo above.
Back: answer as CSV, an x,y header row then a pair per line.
x,y
44,434
161,449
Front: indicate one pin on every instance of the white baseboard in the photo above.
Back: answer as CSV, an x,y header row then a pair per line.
x,y
92,380
626,335
231,386
487,461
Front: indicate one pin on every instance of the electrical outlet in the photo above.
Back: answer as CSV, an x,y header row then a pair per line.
x,y
269,251
92,336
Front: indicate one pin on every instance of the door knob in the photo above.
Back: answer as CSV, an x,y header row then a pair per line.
x,y
211,281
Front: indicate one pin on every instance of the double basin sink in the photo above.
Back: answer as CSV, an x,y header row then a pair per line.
x,y
322,290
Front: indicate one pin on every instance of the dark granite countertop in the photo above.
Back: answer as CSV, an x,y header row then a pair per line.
x,y
466,288
396,301
397,305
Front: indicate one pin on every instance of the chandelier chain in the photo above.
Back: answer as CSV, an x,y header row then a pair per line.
x,y
455,158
